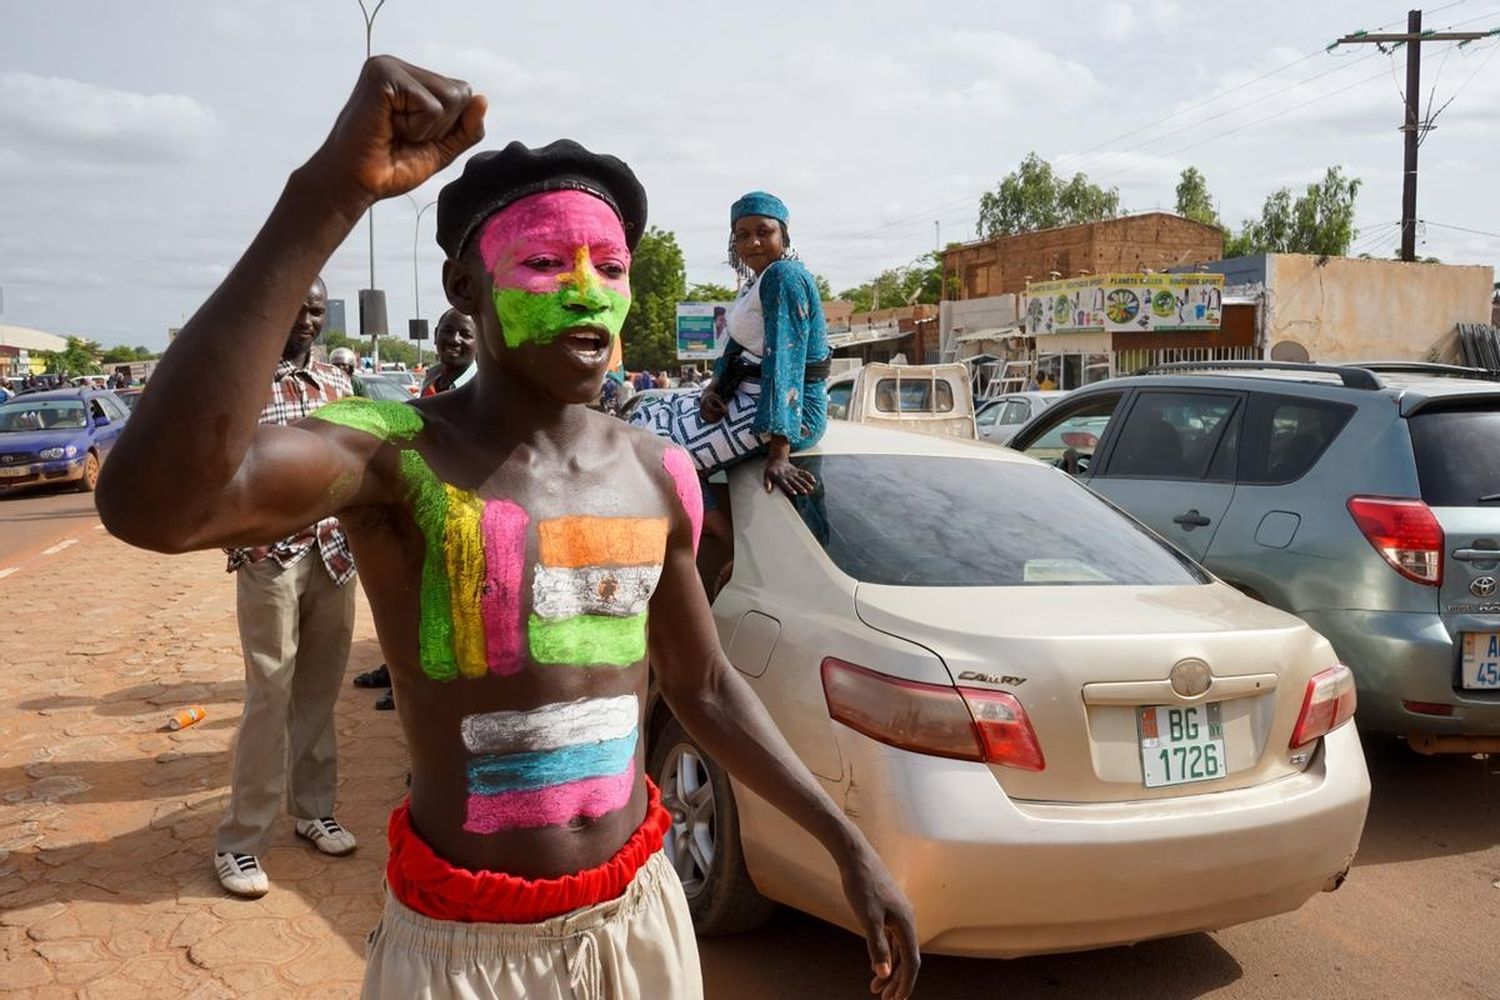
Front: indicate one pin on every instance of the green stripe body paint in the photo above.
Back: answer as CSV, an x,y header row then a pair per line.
x,y
385,420
429,506
589,640
541,317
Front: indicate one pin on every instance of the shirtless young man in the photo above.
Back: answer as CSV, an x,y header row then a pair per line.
x,y
512,543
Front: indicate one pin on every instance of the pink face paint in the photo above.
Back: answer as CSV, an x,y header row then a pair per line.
x,y
689,490
504,529
554,805
534,245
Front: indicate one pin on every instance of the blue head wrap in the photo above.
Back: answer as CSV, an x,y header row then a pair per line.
x,y
759,203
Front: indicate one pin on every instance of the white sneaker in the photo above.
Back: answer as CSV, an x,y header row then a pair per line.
x,y
326,835
242,874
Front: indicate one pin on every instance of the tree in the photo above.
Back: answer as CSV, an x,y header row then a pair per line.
x,y
921,281
1034,197
80,357
825,290
658,281
707,291
121,354
1193,199
1320,221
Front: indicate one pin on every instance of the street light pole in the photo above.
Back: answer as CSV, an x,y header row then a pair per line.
x,y
369,32
416,284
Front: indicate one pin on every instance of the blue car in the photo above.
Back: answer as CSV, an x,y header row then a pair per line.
x,y
61,436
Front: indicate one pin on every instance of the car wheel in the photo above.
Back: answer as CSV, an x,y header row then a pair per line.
x,y
90,477
703,842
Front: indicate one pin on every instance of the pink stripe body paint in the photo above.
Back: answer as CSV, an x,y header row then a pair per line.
x,y
504,530
689,490
554,805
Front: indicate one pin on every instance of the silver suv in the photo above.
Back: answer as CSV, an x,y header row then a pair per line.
x,y
1365,499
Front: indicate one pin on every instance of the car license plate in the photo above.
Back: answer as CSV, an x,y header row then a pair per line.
x,y
1481,663
15,473
1181,744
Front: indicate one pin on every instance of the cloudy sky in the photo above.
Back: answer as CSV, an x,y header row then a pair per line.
x,y
141,144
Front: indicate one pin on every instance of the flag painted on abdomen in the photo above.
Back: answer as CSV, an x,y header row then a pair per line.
x,y
593,580
550,765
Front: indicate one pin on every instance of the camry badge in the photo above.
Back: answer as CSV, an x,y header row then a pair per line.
x,y
1484,586
1190,678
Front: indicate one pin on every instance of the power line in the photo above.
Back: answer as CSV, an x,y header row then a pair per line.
x,y
1462,229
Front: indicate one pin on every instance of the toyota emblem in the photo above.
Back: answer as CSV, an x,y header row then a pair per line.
x,y
1484,586
1190,678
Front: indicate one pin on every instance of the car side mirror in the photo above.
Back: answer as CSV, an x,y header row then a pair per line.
x,y
100,420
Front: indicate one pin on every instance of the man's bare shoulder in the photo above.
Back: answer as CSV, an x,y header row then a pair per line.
x,y
388,422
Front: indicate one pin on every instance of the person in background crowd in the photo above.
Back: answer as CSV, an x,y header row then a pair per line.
x,y
344,359
296,619
454,340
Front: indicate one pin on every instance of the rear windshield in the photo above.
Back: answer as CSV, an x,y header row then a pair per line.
x,y
1456,452
915,396
914,521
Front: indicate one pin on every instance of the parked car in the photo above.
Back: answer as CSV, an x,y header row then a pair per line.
x,y
927,399
411,382
1059,732
998,419
381,387
59,436
1365,500
129,396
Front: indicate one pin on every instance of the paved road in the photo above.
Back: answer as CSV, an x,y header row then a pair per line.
x,y
35,520
1417,918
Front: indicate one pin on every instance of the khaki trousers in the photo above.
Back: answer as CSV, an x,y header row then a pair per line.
x,y
295,628
637,947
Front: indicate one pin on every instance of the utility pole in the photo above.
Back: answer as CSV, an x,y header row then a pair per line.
x,y
1413,127
375,333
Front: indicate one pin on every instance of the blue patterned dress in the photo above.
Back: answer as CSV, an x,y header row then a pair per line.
x,y
780,402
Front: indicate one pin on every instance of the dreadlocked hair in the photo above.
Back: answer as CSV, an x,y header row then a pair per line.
x,y
743,270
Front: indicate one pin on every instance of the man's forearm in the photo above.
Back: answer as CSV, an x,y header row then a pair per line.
x,y
190,433
729,721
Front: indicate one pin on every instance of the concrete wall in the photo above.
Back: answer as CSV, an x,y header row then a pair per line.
x,y
1349,309
1153,241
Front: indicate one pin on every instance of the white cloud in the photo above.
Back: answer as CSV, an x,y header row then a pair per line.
x,y
1117,21
104,124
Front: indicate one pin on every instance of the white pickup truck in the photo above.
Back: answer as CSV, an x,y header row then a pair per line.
x,y
927,399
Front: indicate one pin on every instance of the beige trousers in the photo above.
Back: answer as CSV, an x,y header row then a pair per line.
x,y
637,947
295,628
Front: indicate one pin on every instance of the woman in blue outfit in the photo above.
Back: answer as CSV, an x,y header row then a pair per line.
x,y
769,393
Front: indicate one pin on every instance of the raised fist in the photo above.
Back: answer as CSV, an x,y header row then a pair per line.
x,y
401,125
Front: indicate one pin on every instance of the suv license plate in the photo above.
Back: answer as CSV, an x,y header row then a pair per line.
x,y
1481,665
1181,744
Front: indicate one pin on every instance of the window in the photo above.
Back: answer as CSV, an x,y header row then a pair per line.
x,y
989,415
915,521
113,408
1286,436
1068,440
1017,411
917,395
1171,435
838,400
1455,451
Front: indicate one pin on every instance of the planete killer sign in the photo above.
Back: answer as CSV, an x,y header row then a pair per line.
x,y
1125,303
702,329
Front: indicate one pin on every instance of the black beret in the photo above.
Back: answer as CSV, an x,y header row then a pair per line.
x,y
494,179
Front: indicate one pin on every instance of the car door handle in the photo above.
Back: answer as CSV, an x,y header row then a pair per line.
x,y
1477,555
1192,519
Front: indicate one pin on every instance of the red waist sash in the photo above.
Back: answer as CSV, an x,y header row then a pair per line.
x,y
426,883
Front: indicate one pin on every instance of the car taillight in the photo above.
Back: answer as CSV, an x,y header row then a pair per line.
x,y
936,719
1405,532
1328,704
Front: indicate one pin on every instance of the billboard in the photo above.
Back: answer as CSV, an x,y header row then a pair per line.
x,y
702,328
1125,303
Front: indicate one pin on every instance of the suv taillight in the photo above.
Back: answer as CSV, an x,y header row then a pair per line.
x,y
1328,704
936,719
1405,532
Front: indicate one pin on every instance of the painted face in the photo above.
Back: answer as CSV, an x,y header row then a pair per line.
x,y
560,273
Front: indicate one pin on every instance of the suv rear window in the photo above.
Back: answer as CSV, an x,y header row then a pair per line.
x,y
1286,436
917,521
1455,450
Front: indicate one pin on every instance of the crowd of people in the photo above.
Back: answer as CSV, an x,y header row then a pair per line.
x,y
522,554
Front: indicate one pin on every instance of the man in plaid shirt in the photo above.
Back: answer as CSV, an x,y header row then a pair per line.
x,y
296,617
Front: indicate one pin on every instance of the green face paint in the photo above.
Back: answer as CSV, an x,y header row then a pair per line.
x,y
385,420
541,317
